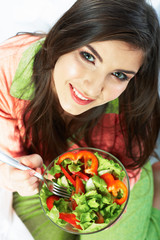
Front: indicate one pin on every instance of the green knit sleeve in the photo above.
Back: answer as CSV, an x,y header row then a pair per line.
x,y
21,86
113,106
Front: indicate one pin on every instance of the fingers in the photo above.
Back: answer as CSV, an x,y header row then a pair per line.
x,y
24,183
32,186
31,190
33,161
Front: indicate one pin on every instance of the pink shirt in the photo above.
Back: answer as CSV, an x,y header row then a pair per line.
x,y
10,107
12,131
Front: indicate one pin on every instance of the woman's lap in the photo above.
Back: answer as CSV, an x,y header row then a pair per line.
x,y
134,224
30,211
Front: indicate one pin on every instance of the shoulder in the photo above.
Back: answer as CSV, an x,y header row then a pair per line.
x,y
10,54
15,44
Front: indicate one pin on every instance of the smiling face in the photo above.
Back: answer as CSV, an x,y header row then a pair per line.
x,y
95,74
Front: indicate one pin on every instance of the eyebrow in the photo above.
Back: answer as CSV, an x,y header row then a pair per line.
x,y
95,52
125,71
101,60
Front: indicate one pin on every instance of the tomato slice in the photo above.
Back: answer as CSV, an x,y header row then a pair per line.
x,y
115,188
50,201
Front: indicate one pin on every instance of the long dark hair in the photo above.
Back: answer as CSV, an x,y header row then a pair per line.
x,y
132,21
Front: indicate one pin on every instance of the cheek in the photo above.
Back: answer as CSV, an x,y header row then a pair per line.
x,y
114,90
71,71
67,68
121,88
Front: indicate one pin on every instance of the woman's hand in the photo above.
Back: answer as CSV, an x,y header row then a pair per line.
x,y
21,181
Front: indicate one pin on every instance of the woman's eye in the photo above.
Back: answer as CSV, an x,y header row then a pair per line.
x,y
87,56
121,76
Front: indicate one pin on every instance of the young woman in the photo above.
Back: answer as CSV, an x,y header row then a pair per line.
x,y
91,81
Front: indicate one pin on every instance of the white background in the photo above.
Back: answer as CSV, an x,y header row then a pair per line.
x,y
35,15
30,15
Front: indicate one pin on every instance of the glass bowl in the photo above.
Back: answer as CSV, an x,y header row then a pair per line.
x,y
97,205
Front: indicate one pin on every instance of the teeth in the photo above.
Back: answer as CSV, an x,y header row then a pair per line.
x,y
79,95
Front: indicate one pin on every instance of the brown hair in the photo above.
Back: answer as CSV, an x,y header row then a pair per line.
x,y
132,21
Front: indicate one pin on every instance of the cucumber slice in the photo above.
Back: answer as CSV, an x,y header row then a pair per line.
x,y
90,185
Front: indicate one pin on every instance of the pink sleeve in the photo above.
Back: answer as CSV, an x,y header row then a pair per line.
x,y
10,139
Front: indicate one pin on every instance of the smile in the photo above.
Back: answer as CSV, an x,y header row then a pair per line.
x,y
79,97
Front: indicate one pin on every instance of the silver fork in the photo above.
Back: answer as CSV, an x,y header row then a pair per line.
x,y
52,186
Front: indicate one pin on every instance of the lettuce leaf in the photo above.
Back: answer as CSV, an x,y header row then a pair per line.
x,y
92,227
100,184
55,169
44,194
111,166
54,216
74,167
111,211
95,199
62,205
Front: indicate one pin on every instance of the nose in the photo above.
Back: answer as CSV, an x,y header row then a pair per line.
x,y
94,85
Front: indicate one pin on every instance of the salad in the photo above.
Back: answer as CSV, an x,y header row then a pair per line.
x,y
98,193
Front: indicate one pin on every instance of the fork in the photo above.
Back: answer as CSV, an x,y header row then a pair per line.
x,y
53,187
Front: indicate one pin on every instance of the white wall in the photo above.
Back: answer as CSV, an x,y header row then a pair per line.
x,y
30,15
35,15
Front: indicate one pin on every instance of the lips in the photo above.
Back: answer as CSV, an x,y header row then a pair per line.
x,y
79,97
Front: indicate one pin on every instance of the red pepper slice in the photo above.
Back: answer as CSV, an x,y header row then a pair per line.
x,y
79,186
68,176
70,218
108,178
81,175
42,170
50,201
57,175
115,188
86,155
67,155
73,202
79,189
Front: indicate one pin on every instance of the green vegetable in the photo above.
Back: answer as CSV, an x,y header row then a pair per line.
x,y
96,198
110,166
62,181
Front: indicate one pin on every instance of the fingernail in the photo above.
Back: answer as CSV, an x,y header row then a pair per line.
x,y
39,170
23,161
32,172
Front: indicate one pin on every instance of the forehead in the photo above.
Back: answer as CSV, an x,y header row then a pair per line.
x,y
119,52
121,45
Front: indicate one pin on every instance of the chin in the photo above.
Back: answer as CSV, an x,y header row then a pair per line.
x,y
73,111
